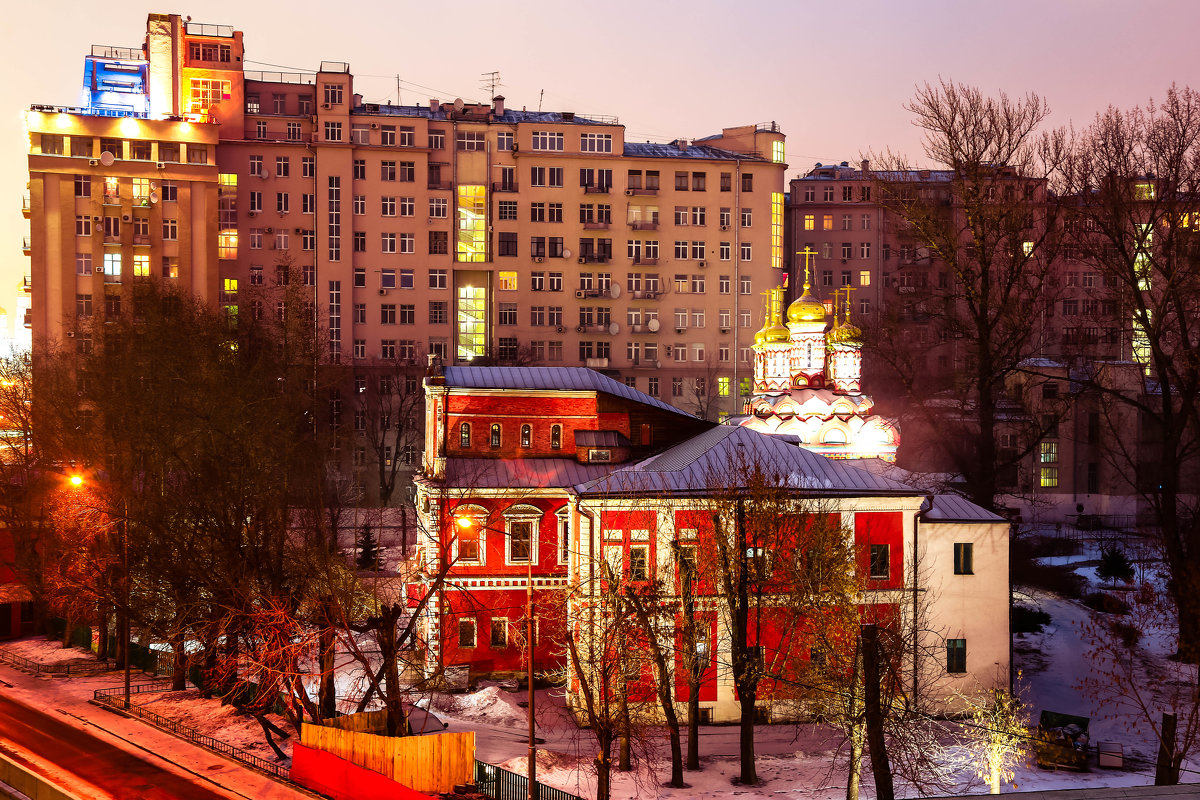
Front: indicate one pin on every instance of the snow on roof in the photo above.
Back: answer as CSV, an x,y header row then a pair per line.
x,y
570,379
670,150
954,508
692,466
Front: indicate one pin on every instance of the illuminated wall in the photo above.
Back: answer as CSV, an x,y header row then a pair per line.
x,y
777,229
472,223
472,322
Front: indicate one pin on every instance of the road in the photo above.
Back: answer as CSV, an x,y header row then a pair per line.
x,y
121,774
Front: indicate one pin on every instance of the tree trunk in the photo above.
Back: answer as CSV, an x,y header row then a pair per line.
x,y
880,767
178,664
749,775
102,632
693,723
66,637
327,700
122,638
604,766
397,725
854,722
624,761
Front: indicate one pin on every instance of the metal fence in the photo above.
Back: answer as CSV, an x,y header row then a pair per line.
x,y
66,669
501,784
114,698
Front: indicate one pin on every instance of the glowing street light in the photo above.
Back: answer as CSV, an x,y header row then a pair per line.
x,y
75,480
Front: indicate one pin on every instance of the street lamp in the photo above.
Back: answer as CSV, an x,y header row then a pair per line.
x,y
466,522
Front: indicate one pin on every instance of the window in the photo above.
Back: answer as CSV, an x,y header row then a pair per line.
x,y
747,251
1048,453
639,563
520,540
333,131
1049,477
494,441
747,182
437,139
504,141
464,436
408,244
595,142
526,436
964,558
499,638
881,567
507,314
956,655
387,314
547,140
437,279
387,242
507,210
438,313
507,281
556,437
308,167
333,94
470,140
466,633
864,250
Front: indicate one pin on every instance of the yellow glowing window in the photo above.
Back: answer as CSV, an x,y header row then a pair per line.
x,y
205,94
1141,259
827,222
141,190
228,179
472,223
112,189
231,286
777,228
1049,477
508,281
1027,248
227,244
724,385
1048,453
810,222
1141,341
141,266
864,277
777,152
472,322
1143,191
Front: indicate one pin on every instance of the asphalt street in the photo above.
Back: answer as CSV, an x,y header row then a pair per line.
x,y
121,774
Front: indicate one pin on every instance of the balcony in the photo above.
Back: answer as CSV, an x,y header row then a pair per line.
x,y
646,294
438,184
587,226
28,319
25,206
27,284
608,328
597,189
644,225
597,363
637,191
645,363
645,262
504,186
142,240
649,326
592,258
26,245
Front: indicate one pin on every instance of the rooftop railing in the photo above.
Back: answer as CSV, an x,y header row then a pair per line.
x,y
118,53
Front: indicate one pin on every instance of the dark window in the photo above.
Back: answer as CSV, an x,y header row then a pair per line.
x,y
495,435
881,566
964,558
555,437
520,540
526,436
464,435
499,633
956,655
466,633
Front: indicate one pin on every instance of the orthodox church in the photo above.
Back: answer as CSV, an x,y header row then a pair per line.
x,y
808,381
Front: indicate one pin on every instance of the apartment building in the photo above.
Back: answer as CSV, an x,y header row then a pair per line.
x,y
474,231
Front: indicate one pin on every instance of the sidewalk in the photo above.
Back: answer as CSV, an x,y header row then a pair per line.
x,y
69,698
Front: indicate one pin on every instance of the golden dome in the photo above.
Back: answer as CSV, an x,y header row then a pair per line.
x,y
806,307
775,332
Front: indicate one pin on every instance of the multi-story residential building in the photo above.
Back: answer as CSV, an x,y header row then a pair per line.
x,y
476,232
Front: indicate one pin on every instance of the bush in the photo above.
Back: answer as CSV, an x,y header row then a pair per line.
x,y
1106,603
1028,620
1114,565
1128,634
1056,578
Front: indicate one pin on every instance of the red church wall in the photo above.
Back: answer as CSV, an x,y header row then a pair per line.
x,y
706,629
511,412
493,530
484,606
880,527
616,533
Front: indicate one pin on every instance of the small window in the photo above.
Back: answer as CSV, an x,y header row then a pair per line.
x,y
520,541
526,436
956,655
499,638
466,633
564,539
964,558
639,563
496,435
881,566
556,437
464,435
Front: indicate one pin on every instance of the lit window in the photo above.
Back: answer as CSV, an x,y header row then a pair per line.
x,y
526,436
464,435
1049,477
472,223
495,435
555,437
508,281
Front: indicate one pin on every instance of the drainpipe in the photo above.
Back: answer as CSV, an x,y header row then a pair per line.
x,y
915,604
735,222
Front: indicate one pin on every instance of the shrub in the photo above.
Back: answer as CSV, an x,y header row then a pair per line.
x,y
1114,565
1106,603
1128,634
1028,620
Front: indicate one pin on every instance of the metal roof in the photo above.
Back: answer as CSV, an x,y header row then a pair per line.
x,y
521,473
725,452
509,117
601,439
954,508
654,150
569,379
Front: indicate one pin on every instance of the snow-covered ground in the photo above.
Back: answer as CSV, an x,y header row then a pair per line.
x,y
794,761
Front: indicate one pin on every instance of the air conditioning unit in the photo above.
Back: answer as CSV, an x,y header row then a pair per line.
x,y
95,219
579,329
325,105
667,349
269,231
383,292
538,260
629,192
297,231
724,227
374,125
252,214
93,162
561,329
125,218
161,165
582,260
702,264
580,293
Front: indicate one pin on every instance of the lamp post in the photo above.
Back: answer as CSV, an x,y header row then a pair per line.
x,y
466,523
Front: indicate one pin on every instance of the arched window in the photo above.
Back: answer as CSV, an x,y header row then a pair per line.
x,y
496,435
555,437
526,436
464,435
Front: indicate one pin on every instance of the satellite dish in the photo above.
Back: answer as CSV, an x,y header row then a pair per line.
x,y
264,174
566,253
459,104
614,290
154,197
153,185
614,328
107,158
652,325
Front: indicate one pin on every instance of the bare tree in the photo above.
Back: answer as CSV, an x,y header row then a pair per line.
x,y
986,219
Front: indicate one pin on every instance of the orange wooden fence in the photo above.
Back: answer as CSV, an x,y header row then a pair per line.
x,y
430,763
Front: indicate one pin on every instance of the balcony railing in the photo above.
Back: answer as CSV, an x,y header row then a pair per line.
x,y
25,206
646,262
644,225
26,245
118,53
504,186
595,226
599,188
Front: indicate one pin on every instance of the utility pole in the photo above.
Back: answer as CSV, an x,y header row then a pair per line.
x,y
533,792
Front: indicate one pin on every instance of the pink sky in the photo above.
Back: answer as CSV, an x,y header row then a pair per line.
x,y
833,75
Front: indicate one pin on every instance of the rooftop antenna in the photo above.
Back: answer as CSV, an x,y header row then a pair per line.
x,y
398,90
490,81
541,94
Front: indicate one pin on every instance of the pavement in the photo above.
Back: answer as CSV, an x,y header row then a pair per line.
x,y
47,724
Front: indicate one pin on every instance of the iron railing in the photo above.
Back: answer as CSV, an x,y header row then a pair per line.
x,y
140,687
65,669
114,698
500,784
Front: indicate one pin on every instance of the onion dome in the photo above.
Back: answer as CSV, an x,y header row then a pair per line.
x,y
806,307
775,332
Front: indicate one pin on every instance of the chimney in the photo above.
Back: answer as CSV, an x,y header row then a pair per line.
x,y
866,168
682,144
434,105
358,98
498,105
